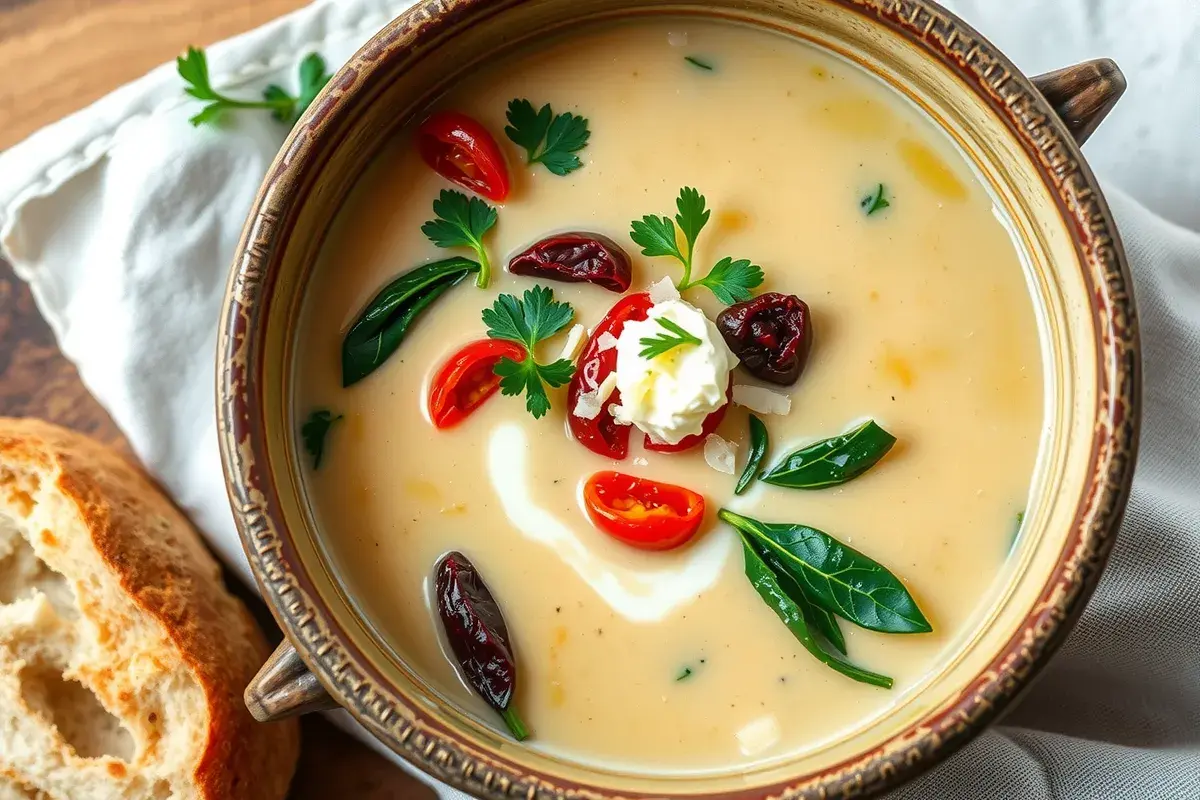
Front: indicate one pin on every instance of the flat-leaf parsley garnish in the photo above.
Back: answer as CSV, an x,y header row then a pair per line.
x,y
193,68
548,138
675,336
875,201
731,281
314,430
462,222
527,321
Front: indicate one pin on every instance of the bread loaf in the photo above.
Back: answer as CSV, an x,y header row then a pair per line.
x,y
122,656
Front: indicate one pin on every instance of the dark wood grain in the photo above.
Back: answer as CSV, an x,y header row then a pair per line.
x,y
56,56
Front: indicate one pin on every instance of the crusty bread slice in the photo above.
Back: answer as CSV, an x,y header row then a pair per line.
x,y
122,656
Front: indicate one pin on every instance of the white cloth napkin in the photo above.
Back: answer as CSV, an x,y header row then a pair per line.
x,y
123,219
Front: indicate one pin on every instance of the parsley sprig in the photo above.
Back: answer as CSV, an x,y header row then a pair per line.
x,y
528,321
676,336
548,139
462,222
731,281
193,68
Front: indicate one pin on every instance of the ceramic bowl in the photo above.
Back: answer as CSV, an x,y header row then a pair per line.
x,y
1022,134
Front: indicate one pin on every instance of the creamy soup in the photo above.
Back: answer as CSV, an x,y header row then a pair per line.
x,y
921,321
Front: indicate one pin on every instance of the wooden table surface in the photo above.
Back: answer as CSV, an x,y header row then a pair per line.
x,y
56,56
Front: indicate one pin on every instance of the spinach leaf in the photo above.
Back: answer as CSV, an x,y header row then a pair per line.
x,y
767,585
820,620
832,461
388,318
836,577
758,449
314,430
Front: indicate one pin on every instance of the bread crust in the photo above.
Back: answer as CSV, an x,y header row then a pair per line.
x,y
156,557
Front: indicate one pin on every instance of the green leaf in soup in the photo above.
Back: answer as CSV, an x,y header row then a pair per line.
x,y
820,620
832,461
764,581
389,316
314,430
527,127
656,237
835,576
758,450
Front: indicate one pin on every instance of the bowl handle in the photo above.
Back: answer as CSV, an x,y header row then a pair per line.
x,y
1082,95
284,688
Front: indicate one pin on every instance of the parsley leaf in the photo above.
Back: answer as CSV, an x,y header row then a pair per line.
x,y
548,139
314,431
695,62
462,222
731,281
656,235
193,68
692,216
528,321
676,336
875,201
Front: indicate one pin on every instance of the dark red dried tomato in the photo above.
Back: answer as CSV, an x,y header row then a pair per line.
x,y
771,334
577,257
478,636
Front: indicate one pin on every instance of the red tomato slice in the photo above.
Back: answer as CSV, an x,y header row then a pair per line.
x,y
468,379
603,435
708,426
643,513
462,151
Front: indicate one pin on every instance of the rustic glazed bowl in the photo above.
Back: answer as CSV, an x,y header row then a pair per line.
x,y
1023,136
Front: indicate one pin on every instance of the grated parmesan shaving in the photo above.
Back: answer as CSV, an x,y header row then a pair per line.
x,y
589,404
719,454
573,344
606,341
662,291
761,399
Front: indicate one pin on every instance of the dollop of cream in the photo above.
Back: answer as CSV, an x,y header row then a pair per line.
x,y
668,396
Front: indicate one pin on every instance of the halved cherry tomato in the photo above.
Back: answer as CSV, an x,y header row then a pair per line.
x,y
641,512
708,426
462,151
603,435
467,379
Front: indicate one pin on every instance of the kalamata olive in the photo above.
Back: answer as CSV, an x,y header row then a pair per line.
x,y
577,257
478,636
771,334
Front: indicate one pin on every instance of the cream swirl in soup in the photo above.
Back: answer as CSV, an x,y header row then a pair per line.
x,y
840,268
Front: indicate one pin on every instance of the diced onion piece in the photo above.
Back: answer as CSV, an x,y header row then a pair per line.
x,y
677,38
641,462
662,291
573,344
589,404
606,341
719,454
761,399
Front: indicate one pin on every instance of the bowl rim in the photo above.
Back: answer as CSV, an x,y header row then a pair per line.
x,y
444,753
